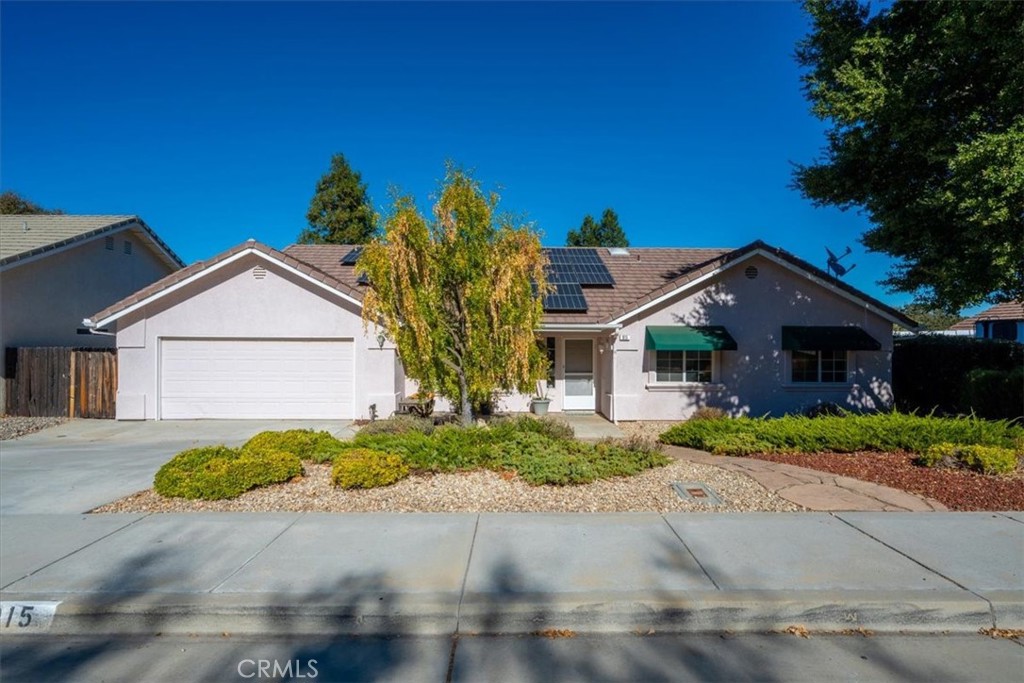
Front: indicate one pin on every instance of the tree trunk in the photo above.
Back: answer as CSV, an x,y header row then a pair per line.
x,y
467,407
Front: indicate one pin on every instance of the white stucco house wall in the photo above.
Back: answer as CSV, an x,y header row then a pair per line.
x,y
56,269
260,333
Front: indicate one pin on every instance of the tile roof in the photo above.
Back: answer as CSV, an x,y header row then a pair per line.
x,y
200,266
641,276
1009,310
26,235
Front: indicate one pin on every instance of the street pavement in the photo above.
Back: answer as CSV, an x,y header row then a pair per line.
x,y
510,659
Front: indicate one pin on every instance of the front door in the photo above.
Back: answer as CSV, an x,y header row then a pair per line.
x,y
579,374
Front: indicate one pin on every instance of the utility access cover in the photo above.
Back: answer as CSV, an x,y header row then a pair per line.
x,y
696,492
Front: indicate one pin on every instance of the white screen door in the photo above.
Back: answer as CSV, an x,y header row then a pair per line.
x,y
579,374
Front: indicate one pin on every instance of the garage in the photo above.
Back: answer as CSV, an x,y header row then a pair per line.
x,y
256,379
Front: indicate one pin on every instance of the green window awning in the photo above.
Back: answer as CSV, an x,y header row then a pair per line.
x,y
686,338
828,338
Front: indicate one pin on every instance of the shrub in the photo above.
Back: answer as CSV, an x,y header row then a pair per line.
x,y
930,373
995,393
708,413
984,459
363,468
737,444
218,472
539,459
824,409
551,427
399,424
303,443
845,433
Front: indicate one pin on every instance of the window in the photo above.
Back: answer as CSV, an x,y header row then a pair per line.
x,y
1004,329
683,366
819,366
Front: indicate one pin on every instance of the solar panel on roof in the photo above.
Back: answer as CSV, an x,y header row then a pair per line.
x,y
567,296
351,257
578,265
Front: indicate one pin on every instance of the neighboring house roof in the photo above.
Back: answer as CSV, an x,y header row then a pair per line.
x,y
643,277
27,236
1009,310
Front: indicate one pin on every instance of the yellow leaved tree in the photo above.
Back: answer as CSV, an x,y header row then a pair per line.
x,y
460,294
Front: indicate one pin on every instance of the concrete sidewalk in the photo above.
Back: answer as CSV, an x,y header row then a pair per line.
x,y
325,574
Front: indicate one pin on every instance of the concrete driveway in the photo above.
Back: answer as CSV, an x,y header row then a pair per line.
x,y
82,464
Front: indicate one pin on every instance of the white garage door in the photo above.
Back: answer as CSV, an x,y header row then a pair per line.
x,y
256,379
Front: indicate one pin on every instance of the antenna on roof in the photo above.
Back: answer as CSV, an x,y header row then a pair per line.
x,y
833,265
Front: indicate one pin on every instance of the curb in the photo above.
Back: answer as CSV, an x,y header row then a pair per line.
x,y
934,611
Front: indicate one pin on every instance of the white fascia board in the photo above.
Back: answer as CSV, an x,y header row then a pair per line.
x,y
694,284
578,327
206,271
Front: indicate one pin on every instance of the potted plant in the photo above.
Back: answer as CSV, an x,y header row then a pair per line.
x,y
539,404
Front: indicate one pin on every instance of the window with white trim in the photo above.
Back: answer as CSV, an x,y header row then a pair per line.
x,y
818,366
682,366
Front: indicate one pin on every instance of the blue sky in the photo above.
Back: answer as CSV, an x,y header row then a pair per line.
x,y
213,121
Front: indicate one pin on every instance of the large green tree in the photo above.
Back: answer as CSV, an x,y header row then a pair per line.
x,y
607,233
13,203
931,318
460,294
340,211
925,102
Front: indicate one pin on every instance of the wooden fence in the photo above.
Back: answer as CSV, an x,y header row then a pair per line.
x,y
61,381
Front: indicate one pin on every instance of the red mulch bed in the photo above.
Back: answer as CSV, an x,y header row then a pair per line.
x,y
956,489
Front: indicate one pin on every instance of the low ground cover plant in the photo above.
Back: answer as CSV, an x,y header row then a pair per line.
x,y
845,433
540,451
218,472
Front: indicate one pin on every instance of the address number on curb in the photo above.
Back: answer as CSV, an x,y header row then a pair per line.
x,y
25,617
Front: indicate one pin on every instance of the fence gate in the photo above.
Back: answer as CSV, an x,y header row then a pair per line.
x,y
61,381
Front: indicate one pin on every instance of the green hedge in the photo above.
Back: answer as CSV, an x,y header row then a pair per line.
x,y
218,472
844,434
941,374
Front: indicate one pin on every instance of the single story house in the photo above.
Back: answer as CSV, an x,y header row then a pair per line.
x,y
54,269
1002,321
632,334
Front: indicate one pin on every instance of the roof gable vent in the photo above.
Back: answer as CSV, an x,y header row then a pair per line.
x,y
259,272
751,272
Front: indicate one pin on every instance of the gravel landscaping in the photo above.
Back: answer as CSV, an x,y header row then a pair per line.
x,y
961,490
482,491
11,427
